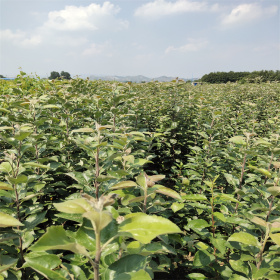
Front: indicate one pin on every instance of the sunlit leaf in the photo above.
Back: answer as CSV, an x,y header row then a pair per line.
x,y
145,228
244,237
8,221
124,184
56,239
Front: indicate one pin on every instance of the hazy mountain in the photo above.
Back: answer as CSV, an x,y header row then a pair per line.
x,y
134,79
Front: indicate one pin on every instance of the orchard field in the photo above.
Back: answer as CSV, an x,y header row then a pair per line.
x,y
123,181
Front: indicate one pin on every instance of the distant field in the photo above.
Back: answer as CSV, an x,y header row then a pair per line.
x,y
115,181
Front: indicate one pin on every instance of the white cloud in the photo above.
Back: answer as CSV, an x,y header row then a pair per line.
x,y
159,8
192,46
20,38
248,12
97,49
90,17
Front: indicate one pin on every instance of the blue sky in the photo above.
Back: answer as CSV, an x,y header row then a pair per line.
x,y
185,38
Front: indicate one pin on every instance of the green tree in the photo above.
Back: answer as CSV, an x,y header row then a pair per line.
x,y
65,75
54,75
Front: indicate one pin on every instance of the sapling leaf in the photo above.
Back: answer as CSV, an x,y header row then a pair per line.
x,y
79,205
145,228
56,239
231,179
5,186
275,238
195,197
166,191
244,237
239,140
142,181
6,262
176,206
134,275
6,128
185,181
261,170
5,167
8,221
35,165
259,221
124,184
18,180
275,191
126,267
197,276
45,265
4,110
21,135
203,258
99,220
83,129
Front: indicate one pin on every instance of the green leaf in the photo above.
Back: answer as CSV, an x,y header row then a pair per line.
x,y
3,110
6,262
83,129
274,190
8,221
262,142
21,135
45,265
36,165
127,264
155,178
50,106
244,237
6,128
227,197
261,170
231,179
123,184
197,224
259,221
18,180
33,220
166,191
5,186
145,228
196,276
5,167
275,238
141,161
176,206
202,258
99,220
240,140
142,181
75,206
135,275
239,266
185,181
56,239
196,197
273,276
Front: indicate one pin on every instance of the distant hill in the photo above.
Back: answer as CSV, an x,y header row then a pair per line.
x,y
134,79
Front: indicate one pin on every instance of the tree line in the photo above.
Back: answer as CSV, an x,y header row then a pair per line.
x,y
251,77
62,75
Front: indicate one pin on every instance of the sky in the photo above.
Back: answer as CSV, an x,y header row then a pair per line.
x,y
184,38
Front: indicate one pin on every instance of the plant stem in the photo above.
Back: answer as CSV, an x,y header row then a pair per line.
x,y
240,181
97,255
97,170
260,254
145,200
270,208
